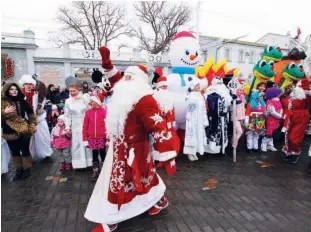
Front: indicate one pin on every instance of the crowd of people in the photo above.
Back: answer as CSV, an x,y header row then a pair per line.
x,y
126,128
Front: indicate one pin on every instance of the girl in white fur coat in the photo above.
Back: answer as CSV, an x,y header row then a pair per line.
x,y
196,121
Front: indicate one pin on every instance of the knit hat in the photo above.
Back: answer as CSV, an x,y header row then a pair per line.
x,y
27,79
96,100
161,81
54,107
72,81
61,117
183,34
273,92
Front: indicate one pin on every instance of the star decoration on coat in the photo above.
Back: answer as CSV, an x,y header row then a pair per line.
x,y
157,118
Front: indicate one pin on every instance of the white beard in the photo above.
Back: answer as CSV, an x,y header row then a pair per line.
x,y
124,97
164,100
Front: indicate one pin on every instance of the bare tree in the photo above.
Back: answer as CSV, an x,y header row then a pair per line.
x,y
93,23
164,19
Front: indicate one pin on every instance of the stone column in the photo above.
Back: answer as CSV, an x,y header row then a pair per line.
x,y
30,40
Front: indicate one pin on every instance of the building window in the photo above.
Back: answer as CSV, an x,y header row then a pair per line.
x,y
228,54
241,56
252,57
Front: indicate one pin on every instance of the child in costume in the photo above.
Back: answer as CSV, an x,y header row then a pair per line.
x,y
256,119
196,121
274,113
94,133
62,144
238,115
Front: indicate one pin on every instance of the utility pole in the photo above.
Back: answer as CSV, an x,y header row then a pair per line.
x,y
197,12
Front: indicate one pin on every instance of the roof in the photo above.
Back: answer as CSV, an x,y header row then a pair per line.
x,y
234,41
270,34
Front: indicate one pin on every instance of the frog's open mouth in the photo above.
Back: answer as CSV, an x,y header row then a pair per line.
x,y
288,76
271,58
260,75
188,62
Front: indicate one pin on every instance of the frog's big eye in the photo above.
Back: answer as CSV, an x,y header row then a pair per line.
x,y
269,48
271,63
262,63
291,65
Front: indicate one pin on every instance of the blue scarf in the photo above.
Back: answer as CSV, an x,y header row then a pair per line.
x,y
182,71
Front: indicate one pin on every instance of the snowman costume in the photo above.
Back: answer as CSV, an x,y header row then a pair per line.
x,y
184,57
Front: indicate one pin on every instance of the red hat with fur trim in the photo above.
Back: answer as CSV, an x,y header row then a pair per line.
x,y
304,84
162,81
137,70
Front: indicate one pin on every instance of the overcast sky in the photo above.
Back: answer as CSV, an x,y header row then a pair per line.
x,y
221,18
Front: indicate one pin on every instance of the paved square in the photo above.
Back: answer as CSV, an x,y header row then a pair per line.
x,y
212,194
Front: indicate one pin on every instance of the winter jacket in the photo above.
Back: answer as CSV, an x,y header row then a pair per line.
x,y
59,139
23,121
94,124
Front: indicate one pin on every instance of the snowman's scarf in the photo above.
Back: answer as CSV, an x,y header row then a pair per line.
x,y
182,71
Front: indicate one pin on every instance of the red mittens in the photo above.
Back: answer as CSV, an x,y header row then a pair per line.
x,y
105,54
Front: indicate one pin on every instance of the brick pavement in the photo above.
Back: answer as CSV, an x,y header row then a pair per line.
x,y
246,198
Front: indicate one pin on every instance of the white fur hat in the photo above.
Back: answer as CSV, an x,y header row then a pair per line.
x,y
95,99
61,117
27,79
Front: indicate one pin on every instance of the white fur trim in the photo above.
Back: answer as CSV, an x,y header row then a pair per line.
x,y
160,84
298,93
135,70
110,73
100,210
203,83
164,156
26,79
131,157
85,143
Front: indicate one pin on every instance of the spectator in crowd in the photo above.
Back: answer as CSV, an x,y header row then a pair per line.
x,y
18,125
61,98
51,93
85,87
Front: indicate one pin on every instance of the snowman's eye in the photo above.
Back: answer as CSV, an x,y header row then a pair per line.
x,y
196,53
187,52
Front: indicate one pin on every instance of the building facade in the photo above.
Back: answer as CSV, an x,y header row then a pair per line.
x,y
243,54
53,65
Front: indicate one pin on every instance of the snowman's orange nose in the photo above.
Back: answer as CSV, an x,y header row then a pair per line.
x,y
192,57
